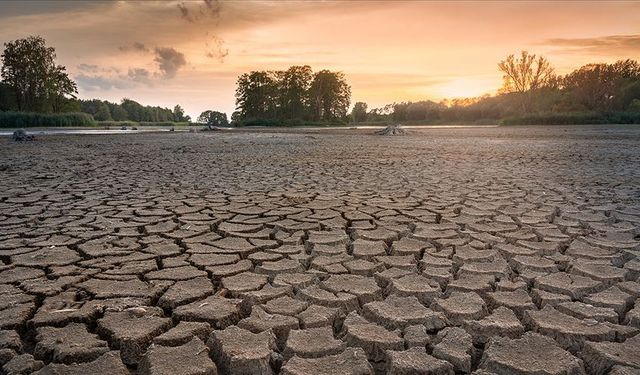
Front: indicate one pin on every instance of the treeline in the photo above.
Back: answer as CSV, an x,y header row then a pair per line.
x,y
129,110
35,91
531,94
291,97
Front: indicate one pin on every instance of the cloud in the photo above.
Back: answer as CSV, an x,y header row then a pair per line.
x,y
101,82
94,78
184,12
140,75
169,61
605,45
89,68
135,46
211,9
215,48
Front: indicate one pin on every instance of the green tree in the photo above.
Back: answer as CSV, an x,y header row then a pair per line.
x,y
524,75
400,111
135,111
634,106
359,112
257,95
117,112
213,118
330,95
178,114
600,87
28,66
293,91
103,114
8,99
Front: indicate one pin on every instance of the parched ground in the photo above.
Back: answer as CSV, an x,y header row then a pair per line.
x,y
492,250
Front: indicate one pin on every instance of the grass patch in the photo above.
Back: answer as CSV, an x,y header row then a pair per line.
x,y
54,120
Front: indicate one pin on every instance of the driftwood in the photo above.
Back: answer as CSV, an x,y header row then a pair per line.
x,y
392,130
22,136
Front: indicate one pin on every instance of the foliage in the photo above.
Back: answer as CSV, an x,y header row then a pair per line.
x,y
426,111
292,95
28,66
32,119
130,110
533,94
525,75
257,95
359,112
329,96
214,118
293,89
178,114
8,98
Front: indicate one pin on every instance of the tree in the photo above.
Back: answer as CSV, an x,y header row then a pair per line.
x,y
178,114
524,75
117,112
600,87
359,112
293,90
103,113
28,66
400,111
257,95
592,86
135,111
8,99
213,118
329,95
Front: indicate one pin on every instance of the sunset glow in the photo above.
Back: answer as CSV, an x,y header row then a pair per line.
x,y
389,51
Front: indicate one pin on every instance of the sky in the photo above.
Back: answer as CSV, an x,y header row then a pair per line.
x,y
191,52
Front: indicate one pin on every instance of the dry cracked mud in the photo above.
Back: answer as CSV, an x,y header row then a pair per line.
x,y
486,251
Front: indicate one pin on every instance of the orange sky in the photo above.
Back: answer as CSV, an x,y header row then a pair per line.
x,y
191,52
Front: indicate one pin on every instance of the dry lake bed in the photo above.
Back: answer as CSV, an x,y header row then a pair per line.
x,y
491,250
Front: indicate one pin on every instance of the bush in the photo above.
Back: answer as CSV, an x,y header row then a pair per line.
x,y
30,119
624,118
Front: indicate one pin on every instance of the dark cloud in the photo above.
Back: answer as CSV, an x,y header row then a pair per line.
x,y
140,75
215,48
184,12
605,45
169,61
211,9
135,46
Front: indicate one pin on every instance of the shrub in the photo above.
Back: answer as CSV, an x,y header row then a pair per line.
x,y
30,119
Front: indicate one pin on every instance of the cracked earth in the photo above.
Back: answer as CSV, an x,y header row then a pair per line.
x,y
486,251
